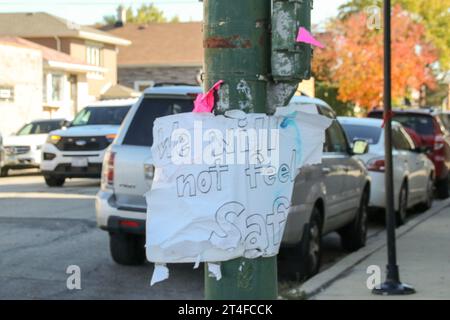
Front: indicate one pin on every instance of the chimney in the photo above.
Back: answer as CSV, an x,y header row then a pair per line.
x,y
121,16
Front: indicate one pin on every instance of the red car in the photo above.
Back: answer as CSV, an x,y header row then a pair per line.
x,y
432,134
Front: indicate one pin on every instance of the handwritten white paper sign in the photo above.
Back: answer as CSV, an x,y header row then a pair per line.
x,y
223,184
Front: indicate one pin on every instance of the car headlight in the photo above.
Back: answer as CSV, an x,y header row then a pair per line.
x,y
111,137
8,150
54,139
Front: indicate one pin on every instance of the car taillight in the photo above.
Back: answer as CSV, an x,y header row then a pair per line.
x,y
377,165
130,224
108,169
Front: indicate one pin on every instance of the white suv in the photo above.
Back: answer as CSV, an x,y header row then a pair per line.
x,y
78,150
128,172
22,150
332,196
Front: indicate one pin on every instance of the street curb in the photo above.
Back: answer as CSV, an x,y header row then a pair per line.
x,y
324,279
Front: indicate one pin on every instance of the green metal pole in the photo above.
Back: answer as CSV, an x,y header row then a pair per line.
x,y
236,43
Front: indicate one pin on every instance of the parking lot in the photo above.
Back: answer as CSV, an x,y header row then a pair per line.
x,y
44,230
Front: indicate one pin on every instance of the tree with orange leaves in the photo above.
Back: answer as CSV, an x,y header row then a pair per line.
x,y
353,59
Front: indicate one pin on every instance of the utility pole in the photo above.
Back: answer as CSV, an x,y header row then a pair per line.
x,y
392,285
261,66
236,46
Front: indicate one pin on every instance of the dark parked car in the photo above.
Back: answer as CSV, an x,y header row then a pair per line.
x,y
433,134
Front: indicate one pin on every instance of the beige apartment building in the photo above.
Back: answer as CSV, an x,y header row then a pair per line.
x,y
37,82
93,47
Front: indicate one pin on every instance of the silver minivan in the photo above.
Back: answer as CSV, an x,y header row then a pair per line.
x,y
329,197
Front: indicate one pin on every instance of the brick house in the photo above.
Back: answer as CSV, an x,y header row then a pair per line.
x,y
160,52
88,45
37,82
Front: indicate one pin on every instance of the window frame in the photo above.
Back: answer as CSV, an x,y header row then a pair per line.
x,y
331,115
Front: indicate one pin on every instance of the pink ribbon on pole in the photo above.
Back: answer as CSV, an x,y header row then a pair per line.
x,y
205,101
306,37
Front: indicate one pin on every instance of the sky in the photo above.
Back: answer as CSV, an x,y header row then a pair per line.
x,y
92,11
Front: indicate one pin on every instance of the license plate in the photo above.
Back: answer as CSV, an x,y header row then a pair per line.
x,y
79,162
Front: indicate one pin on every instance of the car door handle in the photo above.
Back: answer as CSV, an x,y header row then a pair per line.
x,y
326,170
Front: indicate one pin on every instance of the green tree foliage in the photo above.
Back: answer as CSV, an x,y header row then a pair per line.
x,y
144,14
433,14
329,93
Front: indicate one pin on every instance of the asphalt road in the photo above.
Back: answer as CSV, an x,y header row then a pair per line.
x,y
43,231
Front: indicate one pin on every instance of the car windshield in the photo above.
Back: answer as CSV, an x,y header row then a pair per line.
x,y
43,127
100,116
360,132
140,132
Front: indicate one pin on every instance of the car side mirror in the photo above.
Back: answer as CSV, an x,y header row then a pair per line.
x,y
360,147
65,124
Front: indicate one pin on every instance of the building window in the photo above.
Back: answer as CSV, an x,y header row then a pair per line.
x,y
6,94
94,56
53,87
57,87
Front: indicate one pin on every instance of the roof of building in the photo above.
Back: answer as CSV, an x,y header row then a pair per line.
x,y
42,24
161,44
47,53
119,92
51,57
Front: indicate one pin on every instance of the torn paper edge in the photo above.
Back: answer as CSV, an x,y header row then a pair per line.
x,y
160,273
214,270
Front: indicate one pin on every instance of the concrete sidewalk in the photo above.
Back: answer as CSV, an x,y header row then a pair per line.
x,y
423,251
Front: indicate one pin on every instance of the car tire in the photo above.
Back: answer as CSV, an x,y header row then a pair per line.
x,y
4,172
442,188
53,181
354,235
127,249
402,211
304,258
428,203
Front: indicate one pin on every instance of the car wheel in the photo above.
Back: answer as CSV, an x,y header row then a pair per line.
x,y
428,203
52,181
314,245
402,205
354,235
127,249
442,188
4,172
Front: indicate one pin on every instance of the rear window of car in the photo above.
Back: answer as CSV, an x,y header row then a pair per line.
x,y
370,134
140,132
421,124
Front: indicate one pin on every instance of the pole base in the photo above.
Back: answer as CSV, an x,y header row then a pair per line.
x,y
392,288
